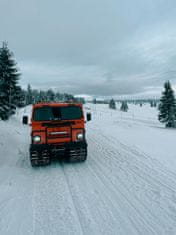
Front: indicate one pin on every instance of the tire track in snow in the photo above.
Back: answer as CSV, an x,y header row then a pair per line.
x,y
167,177
54,209
125,162
146,162
94,203
73,201
118,191
84,214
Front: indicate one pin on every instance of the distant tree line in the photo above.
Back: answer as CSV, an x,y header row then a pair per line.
x,y
32,96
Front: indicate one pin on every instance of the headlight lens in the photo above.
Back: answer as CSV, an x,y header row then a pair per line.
x,y
80,136
37,138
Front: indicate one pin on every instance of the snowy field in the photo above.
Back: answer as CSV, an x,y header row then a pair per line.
x,y
127,186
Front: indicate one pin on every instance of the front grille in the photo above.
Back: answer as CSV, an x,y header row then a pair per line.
x,y
56,135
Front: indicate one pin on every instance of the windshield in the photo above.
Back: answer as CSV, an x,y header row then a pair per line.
x,y
57,113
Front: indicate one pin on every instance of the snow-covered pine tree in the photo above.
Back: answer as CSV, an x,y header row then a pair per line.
x,y
112,104
151,103
167,106
155,104
58,96
124,106
9,77
29,95
50,95
20,96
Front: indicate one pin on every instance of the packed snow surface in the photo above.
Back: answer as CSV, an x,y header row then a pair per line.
x,y
127,185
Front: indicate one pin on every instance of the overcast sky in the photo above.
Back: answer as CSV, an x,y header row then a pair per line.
x,y
96,47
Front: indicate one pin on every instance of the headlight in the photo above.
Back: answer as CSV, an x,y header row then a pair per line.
x,y
80,136
37,138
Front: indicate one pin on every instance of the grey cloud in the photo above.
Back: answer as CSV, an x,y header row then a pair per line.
x,y
94,47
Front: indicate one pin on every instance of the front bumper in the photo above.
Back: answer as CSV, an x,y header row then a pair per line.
x,y
41,151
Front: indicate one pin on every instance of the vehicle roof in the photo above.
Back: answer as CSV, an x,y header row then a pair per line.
x,y
39,105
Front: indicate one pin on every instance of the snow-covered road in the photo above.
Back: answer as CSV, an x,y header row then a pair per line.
x,y
119,190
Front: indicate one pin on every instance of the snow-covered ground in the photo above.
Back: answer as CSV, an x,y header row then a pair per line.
x,y
127,185
138,128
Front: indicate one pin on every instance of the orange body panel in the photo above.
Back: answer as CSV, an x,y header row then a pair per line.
x,y
60,131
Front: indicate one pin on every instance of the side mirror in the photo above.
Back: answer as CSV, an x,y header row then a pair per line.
x,y
89,117
25,120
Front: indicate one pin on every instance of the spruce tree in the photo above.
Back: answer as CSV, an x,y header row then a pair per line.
x,y
124,106
154,104
29,95
50,95
20,96
9,77
112,104
151,103
167,106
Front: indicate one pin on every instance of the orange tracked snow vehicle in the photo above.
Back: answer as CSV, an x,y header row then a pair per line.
x,y
58,130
